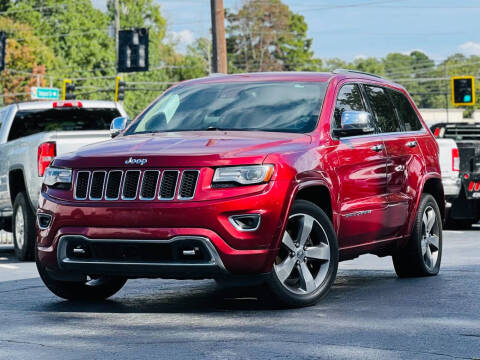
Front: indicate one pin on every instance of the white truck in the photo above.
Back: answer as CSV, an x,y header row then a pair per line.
x,y
31,135
450,166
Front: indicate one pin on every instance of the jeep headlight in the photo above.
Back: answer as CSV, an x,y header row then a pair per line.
x,y
242,175
58,177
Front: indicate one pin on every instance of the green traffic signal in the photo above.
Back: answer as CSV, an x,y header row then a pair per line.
x,y
463,90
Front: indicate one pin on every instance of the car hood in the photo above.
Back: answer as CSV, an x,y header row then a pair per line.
x,y
184,149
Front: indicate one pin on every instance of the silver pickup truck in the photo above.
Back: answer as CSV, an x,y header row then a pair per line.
x,y
31,135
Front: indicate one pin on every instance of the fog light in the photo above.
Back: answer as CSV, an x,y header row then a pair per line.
x,y
44,221
245,222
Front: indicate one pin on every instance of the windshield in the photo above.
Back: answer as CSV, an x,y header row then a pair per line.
x,y
274,106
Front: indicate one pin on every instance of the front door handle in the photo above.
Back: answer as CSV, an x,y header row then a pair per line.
x,y
377,148
411,144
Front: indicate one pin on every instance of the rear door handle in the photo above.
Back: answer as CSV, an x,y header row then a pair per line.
x,y
411,144
377,148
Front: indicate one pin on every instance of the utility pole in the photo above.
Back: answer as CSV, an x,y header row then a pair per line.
x,y
116,23
219,45
446,87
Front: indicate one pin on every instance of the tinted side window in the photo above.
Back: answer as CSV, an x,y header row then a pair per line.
x,y
405,111
29,122
349,98
383,109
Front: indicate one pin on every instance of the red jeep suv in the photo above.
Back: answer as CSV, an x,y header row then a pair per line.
x,y
269,176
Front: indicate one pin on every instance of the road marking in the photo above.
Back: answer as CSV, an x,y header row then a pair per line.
x,y
7,266
454,232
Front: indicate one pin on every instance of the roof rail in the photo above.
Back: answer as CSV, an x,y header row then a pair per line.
x,y
346,71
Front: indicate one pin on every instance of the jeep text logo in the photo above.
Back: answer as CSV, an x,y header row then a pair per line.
x,y
132,161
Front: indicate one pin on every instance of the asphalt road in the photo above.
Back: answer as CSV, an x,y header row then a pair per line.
x,y
369,314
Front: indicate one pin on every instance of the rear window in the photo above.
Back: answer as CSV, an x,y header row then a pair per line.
x,y
383,109
29,122
405,111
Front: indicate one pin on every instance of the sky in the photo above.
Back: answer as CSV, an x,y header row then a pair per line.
x,y
348,29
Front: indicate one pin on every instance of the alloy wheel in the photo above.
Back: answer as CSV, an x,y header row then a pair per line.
x,y
303,259
19,228
430,241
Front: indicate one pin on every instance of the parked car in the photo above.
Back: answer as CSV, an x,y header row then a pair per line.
x,y
449,159
270,177
31,135
465,208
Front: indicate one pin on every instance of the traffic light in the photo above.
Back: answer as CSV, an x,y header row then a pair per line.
x,y
3,49
132,50
119,89
463,90
68,89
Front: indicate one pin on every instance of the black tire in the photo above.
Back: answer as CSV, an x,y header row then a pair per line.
x,y
23,246
93,290
279,292
413,260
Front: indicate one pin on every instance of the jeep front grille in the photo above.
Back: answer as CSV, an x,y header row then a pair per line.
x,y
136,184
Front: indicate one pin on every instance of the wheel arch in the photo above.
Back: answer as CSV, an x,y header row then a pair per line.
x,y
309,190
434,187
431,184
319,194
17,184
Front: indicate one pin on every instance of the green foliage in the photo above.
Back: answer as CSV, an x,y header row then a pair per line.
x,y
268,36
26,61
49,40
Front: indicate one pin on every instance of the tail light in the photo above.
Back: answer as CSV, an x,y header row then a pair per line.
x,y
471,185
437,132
63,104
455,160
477,186
46,153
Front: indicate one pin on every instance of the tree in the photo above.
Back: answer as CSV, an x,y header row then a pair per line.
x,y
370,65
27,58
267,36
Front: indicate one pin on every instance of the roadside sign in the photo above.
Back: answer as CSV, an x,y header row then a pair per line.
x,y
44,93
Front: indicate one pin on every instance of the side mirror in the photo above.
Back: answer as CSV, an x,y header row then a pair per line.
x,y
354,123
118,125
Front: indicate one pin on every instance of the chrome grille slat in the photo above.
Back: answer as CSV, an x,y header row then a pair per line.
x,y
82,185
168,185
188,184
135,184
97,185
130,184
149,184
114,180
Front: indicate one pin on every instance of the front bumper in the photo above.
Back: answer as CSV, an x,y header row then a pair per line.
x,y
231,251
128,258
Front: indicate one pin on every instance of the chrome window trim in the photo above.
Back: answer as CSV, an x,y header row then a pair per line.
x,y
215,257
119,186
194,187
138,184
75,185
156,186
103,186
174,190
